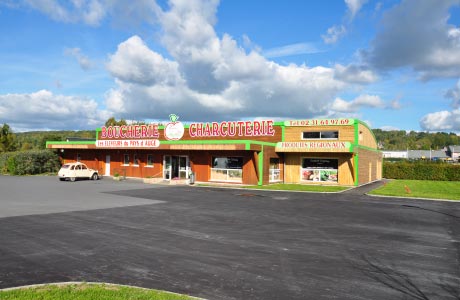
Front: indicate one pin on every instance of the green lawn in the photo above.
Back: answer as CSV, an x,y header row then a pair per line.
x,y
88,292
420,189
299,187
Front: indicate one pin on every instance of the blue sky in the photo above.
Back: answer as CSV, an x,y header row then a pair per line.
x,y
73,64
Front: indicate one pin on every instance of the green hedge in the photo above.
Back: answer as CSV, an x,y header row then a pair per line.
x,y
421,170
29,162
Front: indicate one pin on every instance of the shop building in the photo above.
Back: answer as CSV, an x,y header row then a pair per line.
x,y
310,151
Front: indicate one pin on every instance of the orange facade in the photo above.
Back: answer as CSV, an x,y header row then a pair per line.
x,y
327,151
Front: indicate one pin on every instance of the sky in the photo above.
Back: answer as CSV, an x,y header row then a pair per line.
x,y
71,65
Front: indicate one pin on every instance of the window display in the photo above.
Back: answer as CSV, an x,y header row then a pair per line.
x,y
319,169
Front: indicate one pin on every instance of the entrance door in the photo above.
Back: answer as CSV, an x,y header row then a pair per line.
x,y
176,167
107,165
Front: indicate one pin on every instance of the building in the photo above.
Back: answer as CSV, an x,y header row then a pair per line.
x,y
259,152
454,152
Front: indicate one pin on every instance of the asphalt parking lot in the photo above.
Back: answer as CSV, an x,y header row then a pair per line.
x,y
228,243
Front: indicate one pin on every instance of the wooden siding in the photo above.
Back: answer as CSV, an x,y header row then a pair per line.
x,y
294,134
366,137
369,166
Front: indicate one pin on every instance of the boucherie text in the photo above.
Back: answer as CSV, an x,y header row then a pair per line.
x,y
234,128
130,132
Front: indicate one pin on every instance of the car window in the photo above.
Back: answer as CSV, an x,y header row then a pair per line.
x,y
77,168
73,167
83,167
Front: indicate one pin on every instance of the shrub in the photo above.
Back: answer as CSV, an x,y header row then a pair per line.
x,y
421,170
29,162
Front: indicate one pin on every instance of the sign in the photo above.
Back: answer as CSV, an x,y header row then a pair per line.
x,y
149,143
320,122
174,130
234,128
310,145
130,132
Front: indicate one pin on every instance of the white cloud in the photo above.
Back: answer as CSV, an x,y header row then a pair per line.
x,y
355,74
356,104
417,34
354,6
84,62
134,62
90,12
442,121
445,120
209,77
333,34
44,110
288,50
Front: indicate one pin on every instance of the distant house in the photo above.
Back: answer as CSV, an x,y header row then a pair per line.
x,y
394,154
454,152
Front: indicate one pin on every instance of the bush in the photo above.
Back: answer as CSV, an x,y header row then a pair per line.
x,y
421,170
29,162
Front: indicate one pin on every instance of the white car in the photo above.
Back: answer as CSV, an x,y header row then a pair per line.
x,y
72,171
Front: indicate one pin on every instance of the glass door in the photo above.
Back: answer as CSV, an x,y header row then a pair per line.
x,y
176,167
183,167
167,167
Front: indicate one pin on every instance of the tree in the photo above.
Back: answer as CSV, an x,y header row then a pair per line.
x,y
7,139
113,122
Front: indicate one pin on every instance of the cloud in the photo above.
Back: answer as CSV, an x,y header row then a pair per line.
x,y
211,77
134,62
333,34
442,121
84,62
336,32
454,94
91,12
355,74
43,110
340,105
288,50
417,34
354,6
445,120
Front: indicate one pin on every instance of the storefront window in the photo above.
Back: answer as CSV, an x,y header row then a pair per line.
x,y
150,160
320,135
227,169
126,159
135,160
274,169
319,169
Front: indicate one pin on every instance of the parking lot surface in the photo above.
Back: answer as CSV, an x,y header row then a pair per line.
x,y
227,243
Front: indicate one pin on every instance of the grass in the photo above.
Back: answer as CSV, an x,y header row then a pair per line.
x,y
299,187
420,189
87,291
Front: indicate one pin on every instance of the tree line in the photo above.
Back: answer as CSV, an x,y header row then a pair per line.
x,y
387,140
413,140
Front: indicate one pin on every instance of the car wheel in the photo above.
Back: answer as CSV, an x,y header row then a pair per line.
x,y
72,179
61,179
95,176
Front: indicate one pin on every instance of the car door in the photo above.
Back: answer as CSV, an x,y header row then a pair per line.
x,y
85,172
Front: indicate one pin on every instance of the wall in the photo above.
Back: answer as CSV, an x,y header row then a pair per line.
x,y
369,165
294,133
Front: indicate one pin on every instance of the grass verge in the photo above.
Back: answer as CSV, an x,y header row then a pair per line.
x,y
298,187
87,291
449,190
